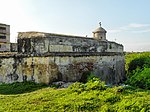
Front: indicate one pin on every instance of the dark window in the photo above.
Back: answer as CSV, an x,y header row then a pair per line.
x,y
0,46
110,47
2,28
2,37
101,37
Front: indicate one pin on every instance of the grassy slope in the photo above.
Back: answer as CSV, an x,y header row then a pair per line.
x,y
49,99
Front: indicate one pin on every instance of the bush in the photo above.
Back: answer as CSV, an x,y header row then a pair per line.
x,y
95,84
86,76
140,62
141,78
20,87
134,60
77,87
138,70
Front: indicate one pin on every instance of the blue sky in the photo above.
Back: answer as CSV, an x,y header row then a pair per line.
x,y
126,21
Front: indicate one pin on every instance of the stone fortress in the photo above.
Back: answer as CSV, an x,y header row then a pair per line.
x,y
48,57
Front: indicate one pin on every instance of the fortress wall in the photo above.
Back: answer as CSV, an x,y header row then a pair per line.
x,y
70,67
45,58
41,45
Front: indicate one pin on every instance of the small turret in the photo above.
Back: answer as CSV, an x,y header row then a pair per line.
x,y
100,33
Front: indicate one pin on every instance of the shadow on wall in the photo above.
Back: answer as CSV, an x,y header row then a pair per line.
x,y
85,76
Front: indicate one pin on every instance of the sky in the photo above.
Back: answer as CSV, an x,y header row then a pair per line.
x,y
127,21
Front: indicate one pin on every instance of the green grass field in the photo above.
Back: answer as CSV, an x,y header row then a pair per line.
x,y
80,97
49,99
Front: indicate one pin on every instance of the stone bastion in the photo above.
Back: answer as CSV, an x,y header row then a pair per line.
x,y
47,57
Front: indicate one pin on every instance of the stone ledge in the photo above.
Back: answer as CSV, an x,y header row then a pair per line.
x,y
69,54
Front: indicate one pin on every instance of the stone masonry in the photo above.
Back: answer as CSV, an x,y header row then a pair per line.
x,y
47,57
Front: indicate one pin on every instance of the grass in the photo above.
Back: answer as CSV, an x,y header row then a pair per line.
x,y
49,99
20,87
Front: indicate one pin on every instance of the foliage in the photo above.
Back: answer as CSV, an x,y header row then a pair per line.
x,y
138,69
87,100
86,76
93,83
20,87
139,62
77,87
141,78
134,60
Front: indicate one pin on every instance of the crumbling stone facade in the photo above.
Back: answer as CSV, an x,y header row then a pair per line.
x,y
47,57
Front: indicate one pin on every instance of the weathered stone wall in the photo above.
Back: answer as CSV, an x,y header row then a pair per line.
x,y
45,57
64,67
44,43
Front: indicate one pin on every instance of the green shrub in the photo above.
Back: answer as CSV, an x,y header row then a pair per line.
x,y
140,62
77,87
112,99
95,84
137,69
92,76
134,60
86,76
115,99
141,78
20,87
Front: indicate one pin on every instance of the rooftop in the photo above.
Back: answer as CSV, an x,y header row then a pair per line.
x,y
100,29
4,24
34,34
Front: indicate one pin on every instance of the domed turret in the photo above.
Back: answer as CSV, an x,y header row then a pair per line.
x,y
100,33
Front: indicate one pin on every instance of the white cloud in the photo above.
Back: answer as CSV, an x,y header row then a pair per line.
x,y
142,31
135,25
